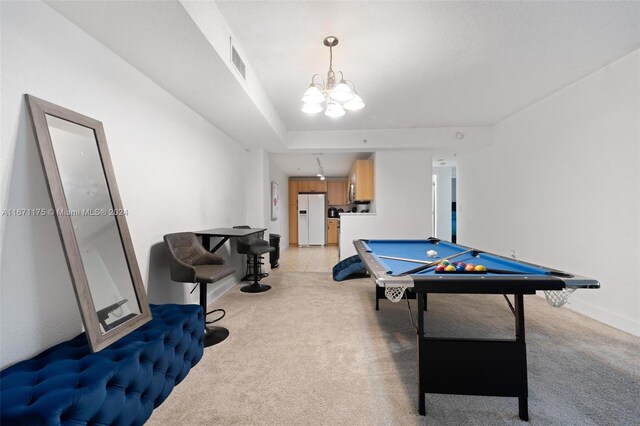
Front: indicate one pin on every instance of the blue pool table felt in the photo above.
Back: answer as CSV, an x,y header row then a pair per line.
x,y
417,249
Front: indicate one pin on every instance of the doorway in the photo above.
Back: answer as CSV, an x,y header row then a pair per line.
x,y
444,207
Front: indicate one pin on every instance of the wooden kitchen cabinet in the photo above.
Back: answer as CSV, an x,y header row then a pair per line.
x,y
332,231
293,192
337,192
293,212
312,186
361,177
293,223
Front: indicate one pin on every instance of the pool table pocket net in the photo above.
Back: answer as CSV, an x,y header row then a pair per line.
x,y
558,298
394,292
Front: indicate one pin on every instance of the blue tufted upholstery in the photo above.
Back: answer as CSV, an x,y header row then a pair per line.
x,y
120,385
348,267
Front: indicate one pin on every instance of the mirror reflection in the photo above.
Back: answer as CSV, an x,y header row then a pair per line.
x,y
92,215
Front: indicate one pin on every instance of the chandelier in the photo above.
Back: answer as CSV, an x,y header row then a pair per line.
x,y
333,98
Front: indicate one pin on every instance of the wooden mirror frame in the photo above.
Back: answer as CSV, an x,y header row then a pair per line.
x,y
98,340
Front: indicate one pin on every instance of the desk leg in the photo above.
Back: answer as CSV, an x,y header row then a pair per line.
x,y
523,398
206,241
421,388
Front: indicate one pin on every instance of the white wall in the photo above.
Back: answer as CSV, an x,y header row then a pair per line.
x,y
256,172
173,170
281,225
561,186
402,201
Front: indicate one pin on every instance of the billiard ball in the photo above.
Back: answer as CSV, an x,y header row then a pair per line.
x,y
432,253
470,267
480,268
440,268
445,262
461,263
460,267
450,268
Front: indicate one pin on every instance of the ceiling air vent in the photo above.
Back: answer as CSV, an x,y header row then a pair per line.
x,y
238,62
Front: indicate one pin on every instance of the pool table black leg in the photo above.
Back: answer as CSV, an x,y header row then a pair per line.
x,y
421,388
424,295
523,408
523,399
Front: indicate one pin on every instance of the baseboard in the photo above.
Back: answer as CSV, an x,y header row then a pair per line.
x,y
625,324
219,290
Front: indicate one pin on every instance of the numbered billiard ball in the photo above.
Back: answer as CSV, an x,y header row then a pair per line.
x,y
460,267
445,262
440,268
461,263
480,268
450,268
470,267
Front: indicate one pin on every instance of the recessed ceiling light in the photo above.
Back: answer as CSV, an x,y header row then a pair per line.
x,y
459,136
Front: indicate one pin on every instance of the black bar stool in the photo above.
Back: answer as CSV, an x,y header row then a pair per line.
x,y
254,247
190,262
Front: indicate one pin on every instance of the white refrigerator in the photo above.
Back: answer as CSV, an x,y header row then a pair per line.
x,y
312,221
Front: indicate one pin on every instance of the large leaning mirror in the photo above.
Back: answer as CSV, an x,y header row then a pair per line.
x,y
91,222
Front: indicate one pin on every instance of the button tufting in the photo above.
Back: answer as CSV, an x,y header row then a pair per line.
x,y
122,367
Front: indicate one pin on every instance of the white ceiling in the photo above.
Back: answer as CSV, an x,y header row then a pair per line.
x,y
420,66
161,40
429,64
305,164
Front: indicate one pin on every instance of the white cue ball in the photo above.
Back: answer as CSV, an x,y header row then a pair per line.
x,y
432,253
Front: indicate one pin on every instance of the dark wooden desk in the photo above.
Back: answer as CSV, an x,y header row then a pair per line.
x,y
225,234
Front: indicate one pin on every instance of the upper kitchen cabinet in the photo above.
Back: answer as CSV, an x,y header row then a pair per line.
x,y
361,179
312,186
337,192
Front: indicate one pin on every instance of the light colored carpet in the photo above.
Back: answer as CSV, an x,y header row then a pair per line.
x,y
315,352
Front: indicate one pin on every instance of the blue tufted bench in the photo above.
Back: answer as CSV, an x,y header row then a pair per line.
x,y
120,385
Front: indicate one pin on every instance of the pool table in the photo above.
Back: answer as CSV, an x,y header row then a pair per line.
x,y
491,367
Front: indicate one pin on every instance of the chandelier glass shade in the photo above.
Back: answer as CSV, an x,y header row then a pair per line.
x,y
333,96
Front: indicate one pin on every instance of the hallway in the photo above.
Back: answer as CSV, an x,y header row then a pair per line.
x,y
308,259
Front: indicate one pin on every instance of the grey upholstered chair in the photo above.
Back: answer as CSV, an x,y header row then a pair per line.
x,y
254,247
190,262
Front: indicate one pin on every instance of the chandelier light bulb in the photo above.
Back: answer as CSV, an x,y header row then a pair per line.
x,y
313,95
342,92
334,110
356,103
311,108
